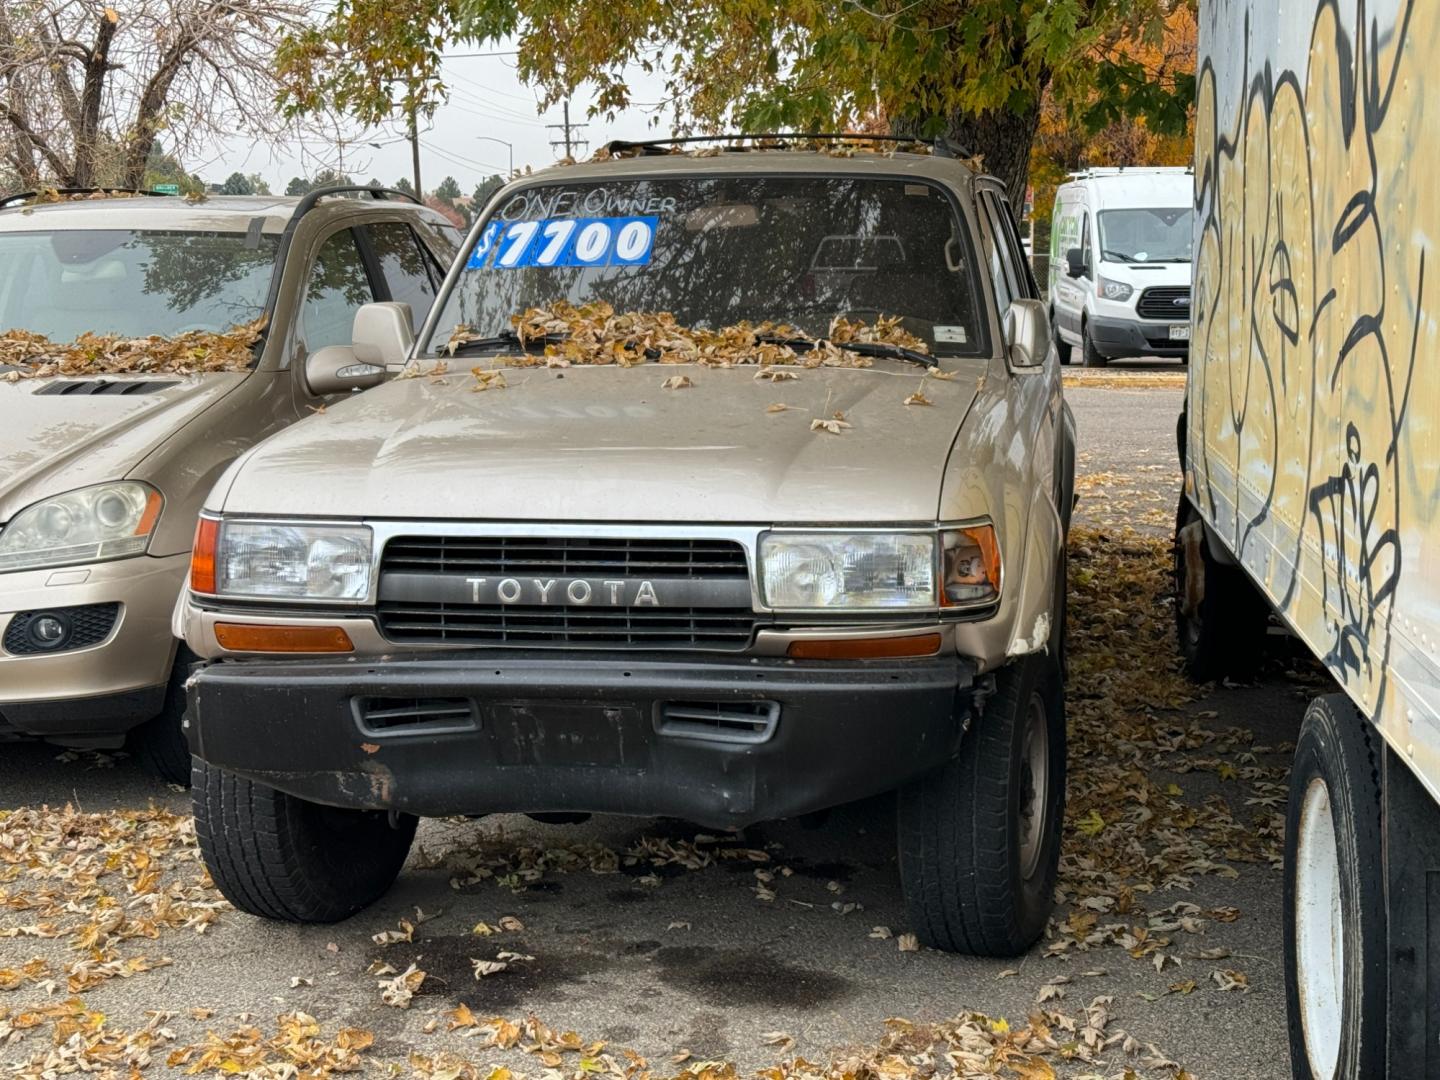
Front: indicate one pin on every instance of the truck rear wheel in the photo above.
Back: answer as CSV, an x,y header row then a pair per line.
x,y
1221,619
980,836
284,858
1335,933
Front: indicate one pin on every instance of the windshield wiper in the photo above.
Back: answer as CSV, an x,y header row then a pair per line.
x,y
506,339
859,348
1117,255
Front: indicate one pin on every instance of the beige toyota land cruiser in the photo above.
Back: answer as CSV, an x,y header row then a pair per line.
x,y
145,342
726,485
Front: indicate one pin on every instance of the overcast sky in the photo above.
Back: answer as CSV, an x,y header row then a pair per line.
x,y
486,98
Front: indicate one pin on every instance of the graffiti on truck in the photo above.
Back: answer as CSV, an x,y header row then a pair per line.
x,y
1311,317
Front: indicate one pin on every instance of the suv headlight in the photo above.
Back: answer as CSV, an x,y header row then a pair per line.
x,y
848,570
1114,290
107,521
266,560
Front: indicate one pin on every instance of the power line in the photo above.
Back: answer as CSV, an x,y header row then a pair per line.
x,y
567,140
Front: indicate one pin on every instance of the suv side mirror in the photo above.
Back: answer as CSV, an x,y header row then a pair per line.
x,y
1027,333
1075,263
381,340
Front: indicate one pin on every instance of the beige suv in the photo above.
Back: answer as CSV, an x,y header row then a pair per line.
x,y
728,486
102,475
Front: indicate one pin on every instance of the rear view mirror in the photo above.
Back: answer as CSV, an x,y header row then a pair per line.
x,y
334,370
1027,333
1075,262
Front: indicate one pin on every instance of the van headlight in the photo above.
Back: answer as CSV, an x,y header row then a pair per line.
x,y
265,560
1114,290
94,524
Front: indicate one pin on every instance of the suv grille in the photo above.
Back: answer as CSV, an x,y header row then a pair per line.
x,y
1168,302
435,621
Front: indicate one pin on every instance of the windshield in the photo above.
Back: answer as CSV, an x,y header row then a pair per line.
x,y
1155,235
716,251
114,281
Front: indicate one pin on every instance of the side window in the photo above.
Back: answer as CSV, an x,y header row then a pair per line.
x,y
405,266
1086,253
1028,288
338,286
1004,264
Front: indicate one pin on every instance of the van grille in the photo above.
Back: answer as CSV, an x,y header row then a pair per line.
x,y
1168,302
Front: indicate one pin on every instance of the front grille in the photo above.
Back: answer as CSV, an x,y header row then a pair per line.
x,y
507,624
406,615
1168,302
565,556
84,626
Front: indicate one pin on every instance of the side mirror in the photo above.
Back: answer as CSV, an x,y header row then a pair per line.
x,y
335,370
382,334
1027,333
1075,263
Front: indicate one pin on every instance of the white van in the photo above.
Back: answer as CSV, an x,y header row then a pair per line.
x,y
1120,243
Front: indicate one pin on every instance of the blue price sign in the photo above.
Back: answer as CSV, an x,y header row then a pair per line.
x,y
607,241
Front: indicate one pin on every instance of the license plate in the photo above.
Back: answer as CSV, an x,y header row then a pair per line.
x,y
1180,333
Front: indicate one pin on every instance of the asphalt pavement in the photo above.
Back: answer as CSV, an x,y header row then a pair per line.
x,y
618,939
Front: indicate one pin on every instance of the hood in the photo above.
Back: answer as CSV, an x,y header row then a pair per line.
x,y
52,442
1146,275
609,444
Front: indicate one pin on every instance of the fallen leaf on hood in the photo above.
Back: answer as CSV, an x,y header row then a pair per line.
x,y
774,374
918,398
34,356
834,425
677,382
488,379
780,406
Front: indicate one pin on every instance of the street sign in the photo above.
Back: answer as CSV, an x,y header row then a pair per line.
x,y
167,189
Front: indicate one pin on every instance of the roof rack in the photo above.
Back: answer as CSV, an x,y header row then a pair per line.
x,y
28,196
310,198
942,146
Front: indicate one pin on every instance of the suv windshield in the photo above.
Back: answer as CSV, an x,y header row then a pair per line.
x,y
715,251
113,281
1154,235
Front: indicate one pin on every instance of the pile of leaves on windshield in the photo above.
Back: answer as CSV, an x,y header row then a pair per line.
x,y
27,355
594,333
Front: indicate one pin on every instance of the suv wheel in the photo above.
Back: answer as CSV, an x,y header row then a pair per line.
x,y
159,744
1091,355
280,857
1223,631
980,836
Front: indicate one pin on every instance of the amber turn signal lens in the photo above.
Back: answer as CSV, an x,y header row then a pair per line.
x,y
202,556
864,648
254,637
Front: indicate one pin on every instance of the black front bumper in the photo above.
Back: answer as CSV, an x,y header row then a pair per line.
x,y
1118,339
467,735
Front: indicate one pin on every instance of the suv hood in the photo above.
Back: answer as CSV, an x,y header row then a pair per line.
x,y
51,442
609,444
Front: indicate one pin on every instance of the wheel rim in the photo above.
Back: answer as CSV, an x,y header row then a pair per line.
x,y
1319,930
1034,787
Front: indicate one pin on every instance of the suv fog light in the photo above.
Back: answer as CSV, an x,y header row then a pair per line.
x,y
48,631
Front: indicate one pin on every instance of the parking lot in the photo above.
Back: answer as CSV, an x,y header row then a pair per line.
x,y
784,947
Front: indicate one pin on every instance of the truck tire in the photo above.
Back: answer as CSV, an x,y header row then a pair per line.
x,y
1089,354
980,836
1224,633
159,744
1335,927
284,858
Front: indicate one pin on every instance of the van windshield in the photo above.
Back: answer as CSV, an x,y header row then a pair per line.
x,y
131,283
1151,235
715,251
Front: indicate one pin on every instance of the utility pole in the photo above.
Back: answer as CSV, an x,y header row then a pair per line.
x,y
415,152
569,142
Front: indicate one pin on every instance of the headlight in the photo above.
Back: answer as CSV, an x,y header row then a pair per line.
x,y
1114,290
108,521
848,570
291,562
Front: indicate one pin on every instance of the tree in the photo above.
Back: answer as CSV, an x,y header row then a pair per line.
x,y
448,190
446,210
298,185
330,178
974,71
404,184
237,184
85,89
484,190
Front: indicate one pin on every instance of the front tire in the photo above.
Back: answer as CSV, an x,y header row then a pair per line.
x,y
159,744
284,858
1063,348
980,836
1089,353
1335,927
